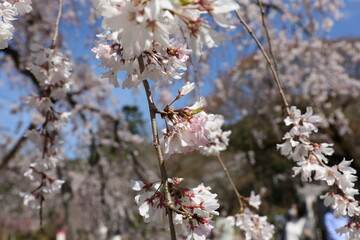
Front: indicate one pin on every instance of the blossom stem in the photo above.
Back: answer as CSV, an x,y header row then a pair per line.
x,y
238,195
156,142
271,66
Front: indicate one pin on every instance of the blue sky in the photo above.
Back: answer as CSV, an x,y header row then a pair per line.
x,y
349,25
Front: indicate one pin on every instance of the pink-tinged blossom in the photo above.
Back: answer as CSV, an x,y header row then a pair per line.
x,y
184,136
193,129
103,51
179,50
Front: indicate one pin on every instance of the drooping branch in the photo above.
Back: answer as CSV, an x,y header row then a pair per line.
x,y
271,66
263,19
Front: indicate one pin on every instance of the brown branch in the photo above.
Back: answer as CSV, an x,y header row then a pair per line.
x,y
15,56
156,142
272,69
6,159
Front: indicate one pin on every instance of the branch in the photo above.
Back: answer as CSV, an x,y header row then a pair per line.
x,y
15,56
272,69
56,33
6,159
156,142
268,37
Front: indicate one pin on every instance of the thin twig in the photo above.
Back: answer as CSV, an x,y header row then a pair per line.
x,y
56,33
238,195
272,69
156,142
196,75
263,18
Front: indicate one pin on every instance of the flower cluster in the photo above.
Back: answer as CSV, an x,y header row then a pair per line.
x,y
190,128
312,165
52,70
157,30
9,9
194,207
166,63
255,227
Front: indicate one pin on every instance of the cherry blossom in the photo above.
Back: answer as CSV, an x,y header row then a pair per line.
x,y
255,227
151,29
53,71
196,206
190,128
9,10
311,160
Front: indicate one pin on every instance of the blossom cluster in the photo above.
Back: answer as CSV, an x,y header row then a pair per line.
x,y
9,10
311,160
52,71
158,31
194,206
255,227
190,129
166,63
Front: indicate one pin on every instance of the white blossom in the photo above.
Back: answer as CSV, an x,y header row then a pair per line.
x,y
254,200
198,201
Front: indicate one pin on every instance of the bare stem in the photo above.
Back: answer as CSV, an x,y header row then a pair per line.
x,y
272,69
56,33
238,195
156,142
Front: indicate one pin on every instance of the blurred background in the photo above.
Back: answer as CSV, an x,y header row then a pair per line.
x,y
107,140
